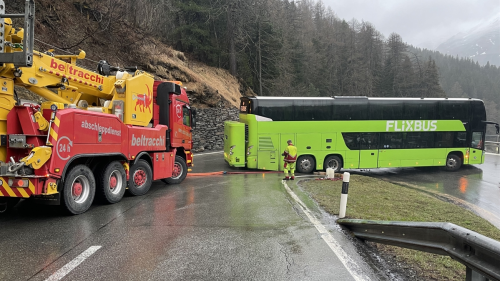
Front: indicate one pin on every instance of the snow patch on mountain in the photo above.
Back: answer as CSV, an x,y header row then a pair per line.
x,y
477,43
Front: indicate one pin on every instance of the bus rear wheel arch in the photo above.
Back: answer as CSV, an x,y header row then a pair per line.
x,y
453,162
334,162
306,164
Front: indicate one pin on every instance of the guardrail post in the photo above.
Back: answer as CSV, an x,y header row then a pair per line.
x,y
343,195
471,275
498,144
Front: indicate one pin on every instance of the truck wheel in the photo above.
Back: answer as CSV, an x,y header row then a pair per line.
x,y
179,173
453,162
112,183
140,179
306,164
333,162
78,190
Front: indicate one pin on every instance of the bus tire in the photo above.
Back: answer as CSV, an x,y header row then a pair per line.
x,y
179,173
78,190
453,162
112,182
306,164
140,179
333,162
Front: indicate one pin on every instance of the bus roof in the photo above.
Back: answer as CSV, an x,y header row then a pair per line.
x,y
356,98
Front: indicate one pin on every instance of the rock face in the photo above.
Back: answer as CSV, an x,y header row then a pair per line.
x,y
209,131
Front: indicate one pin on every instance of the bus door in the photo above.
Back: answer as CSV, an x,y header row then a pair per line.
x,y
282,146
368,153
267,155
477,147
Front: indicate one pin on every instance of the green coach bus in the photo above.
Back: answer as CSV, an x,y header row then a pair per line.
x,y
357,132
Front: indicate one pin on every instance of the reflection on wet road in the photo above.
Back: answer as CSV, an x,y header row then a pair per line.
x,y
478,185
207,228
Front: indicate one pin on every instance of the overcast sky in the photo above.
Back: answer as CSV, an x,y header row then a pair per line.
x,y
422,23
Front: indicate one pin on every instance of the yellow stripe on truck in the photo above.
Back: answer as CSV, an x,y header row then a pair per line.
x,y
21,190
57,121
53,134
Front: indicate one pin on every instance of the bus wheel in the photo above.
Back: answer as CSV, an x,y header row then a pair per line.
x,y
305,164
140,178
78,190
112,183
179,173
453,162
333,162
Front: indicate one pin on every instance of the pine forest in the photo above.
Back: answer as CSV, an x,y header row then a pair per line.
x,y
302,48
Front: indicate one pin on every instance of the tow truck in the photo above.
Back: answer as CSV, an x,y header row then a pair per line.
x,y
95,135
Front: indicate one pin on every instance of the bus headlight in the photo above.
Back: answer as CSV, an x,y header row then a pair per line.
x,y
248,150
231,150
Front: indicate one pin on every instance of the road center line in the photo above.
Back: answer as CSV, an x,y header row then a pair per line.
x,y
58,275
348,262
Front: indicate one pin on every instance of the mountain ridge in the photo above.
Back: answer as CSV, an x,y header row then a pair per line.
x,y
480,43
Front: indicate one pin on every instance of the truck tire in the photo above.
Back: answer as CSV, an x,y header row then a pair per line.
x,y
333,162
305,164
179,173
140,178
112,182
78,190
453,162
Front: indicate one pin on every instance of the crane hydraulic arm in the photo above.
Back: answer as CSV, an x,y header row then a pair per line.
x,y
63,83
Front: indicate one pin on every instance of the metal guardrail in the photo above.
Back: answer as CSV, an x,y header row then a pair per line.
x,y
480,254
494,144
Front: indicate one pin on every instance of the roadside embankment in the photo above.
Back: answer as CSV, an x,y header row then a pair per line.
x,y
375,199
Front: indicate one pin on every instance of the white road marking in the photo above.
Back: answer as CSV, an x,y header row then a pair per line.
x,y
58,275
201,154
349,263
496,154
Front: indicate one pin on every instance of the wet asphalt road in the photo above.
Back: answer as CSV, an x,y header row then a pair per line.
x,y
475,186
237,227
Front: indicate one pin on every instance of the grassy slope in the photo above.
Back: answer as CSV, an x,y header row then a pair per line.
x,y
60,24
379,200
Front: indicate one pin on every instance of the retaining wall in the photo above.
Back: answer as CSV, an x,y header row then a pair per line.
x,y
209,131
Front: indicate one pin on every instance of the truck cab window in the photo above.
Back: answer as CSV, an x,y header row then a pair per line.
x,y
186,117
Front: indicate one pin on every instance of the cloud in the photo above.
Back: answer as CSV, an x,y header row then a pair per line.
x,y
424,23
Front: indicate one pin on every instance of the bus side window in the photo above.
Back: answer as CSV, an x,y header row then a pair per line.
x,y
369,141
428,110
444,139
351,140
460,139
391,140
419,140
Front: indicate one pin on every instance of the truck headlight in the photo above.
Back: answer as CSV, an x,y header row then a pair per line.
x,y
248,150
231,149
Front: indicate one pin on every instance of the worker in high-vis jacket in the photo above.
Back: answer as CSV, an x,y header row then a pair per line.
x,y
290,159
